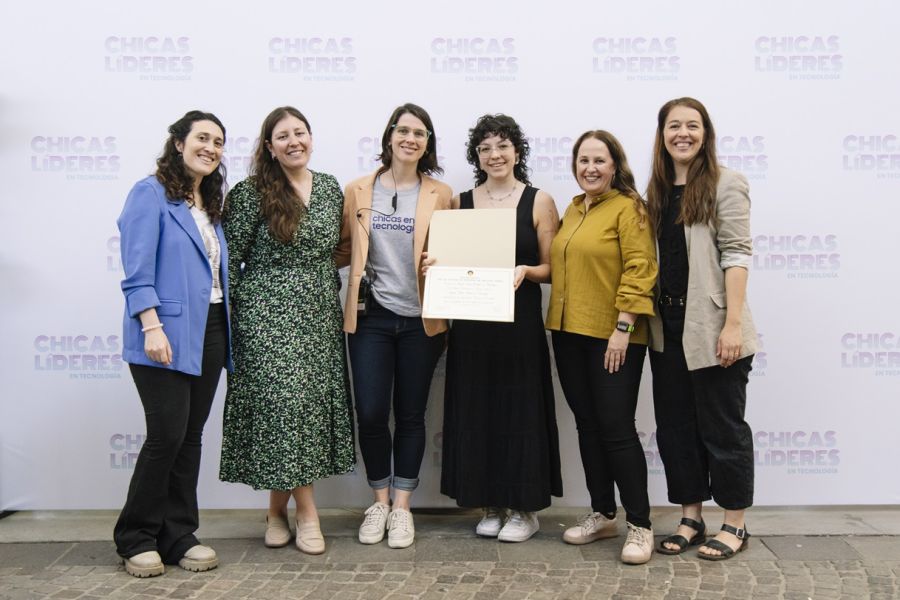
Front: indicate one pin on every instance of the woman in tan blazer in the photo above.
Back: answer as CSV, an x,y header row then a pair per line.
x,y
702,339
393,349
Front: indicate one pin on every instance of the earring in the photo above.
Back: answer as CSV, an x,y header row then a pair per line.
x,y
273,155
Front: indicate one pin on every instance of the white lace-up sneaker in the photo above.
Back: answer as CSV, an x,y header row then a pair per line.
x,y
374,524
491,523
590,528
638,545
401,531
519,527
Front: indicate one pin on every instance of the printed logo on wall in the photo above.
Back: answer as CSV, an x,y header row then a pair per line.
x,y
744,153
475,58
798,256
878,353
313,58
875,154
799,452
82,357
437,446
113,256
760,359
152,58
124,449
79,157
551,157
651,454
237,157
800,57
368,148
637,58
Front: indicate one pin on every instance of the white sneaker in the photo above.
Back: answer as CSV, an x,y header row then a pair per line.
x,y
401,531
638,545
145,564
199,558
491,523
590,528
374,525
519,527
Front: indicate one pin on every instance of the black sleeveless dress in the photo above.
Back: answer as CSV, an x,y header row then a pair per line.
x,y
500,441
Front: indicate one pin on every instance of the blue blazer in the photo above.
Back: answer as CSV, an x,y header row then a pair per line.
x,y
166,268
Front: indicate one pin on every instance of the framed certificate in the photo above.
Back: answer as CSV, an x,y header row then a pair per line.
x,y
475,250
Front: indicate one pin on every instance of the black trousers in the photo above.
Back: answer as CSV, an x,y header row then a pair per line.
x,y
160,512
604,404
705,444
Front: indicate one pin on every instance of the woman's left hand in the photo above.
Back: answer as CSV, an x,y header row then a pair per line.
x,y
519,276
426,262
615,351
728,346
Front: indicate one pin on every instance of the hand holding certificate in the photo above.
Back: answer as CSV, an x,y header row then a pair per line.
x,y
473,277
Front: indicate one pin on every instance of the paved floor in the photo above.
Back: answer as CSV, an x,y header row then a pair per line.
x,y
854,554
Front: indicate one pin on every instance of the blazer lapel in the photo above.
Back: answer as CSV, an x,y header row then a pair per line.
x,y
424,209
182,215
363,218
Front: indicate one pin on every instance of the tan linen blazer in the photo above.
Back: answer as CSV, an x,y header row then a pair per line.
x,y
353,249
711,249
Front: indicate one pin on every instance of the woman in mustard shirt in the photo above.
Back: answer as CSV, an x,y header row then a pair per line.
x,y
603,269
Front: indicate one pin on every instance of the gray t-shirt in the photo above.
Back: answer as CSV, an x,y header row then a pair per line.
x,y
391,267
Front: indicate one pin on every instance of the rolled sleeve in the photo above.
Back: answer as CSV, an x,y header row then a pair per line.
x,y
733,220
639,266
139,241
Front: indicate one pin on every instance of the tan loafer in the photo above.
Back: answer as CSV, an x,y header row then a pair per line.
x,y
309,538
278,532
145,564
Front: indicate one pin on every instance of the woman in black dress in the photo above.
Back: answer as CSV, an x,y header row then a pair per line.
x,y
501,446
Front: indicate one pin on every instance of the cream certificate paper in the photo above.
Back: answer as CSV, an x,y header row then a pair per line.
x,y
472,279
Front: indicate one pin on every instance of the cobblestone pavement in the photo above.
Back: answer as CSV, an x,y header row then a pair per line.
x,y
543,568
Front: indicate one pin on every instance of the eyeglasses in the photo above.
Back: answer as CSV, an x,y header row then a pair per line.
x,y
486,150
403,131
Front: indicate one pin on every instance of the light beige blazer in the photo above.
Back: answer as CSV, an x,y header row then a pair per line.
x,y
711,249
353,249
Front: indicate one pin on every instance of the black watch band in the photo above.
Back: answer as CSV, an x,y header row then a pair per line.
x,y
624,327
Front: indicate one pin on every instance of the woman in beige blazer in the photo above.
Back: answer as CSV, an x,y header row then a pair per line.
x,y
702,338
393,349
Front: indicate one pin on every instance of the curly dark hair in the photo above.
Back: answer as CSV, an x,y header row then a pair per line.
x,y
279,203
174,177
428,164
507,128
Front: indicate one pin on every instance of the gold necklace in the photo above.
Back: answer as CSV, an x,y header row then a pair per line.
x,y
499,200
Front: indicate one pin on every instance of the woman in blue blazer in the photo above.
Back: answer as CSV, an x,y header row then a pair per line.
x,y
176,340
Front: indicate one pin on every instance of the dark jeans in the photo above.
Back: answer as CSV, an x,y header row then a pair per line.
x,y
389,352
604,404
705,444
160,511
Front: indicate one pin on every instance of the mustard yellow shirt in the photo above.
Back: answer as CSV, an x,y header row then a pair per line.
x,y
601,263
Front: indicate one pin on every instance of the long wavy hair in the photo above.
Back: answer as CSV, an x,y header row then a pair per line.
x,y
506,128
623,178
698,203
280,205
174,176
428,164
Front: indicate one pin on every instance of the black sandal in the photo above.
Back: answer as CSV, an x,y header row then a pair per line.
x,y
726,550
682,542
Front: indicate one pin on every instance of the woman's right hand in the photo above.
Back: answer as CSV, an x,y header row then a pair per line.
x,y
426,262
156,346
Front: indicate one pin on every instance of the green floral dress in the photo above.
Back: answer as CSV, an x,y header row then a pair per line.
x,y
288,419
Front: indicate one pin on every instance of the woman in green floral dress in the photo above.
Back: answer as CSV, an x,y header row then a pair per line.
x,y
287,416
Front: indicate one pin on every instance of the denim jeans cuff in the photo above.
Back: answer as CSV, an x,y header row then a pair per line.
x,y
407,485
380,484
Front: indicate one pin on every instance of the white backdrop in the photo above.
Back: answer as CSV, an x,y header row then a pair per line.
x,y
804,98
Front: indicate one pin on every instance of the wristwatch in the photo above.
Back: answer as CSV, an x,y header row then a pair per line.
x,y
625,327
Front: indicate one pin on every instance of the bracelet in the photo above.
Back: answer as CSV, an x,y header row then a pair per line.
x,y
149,327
